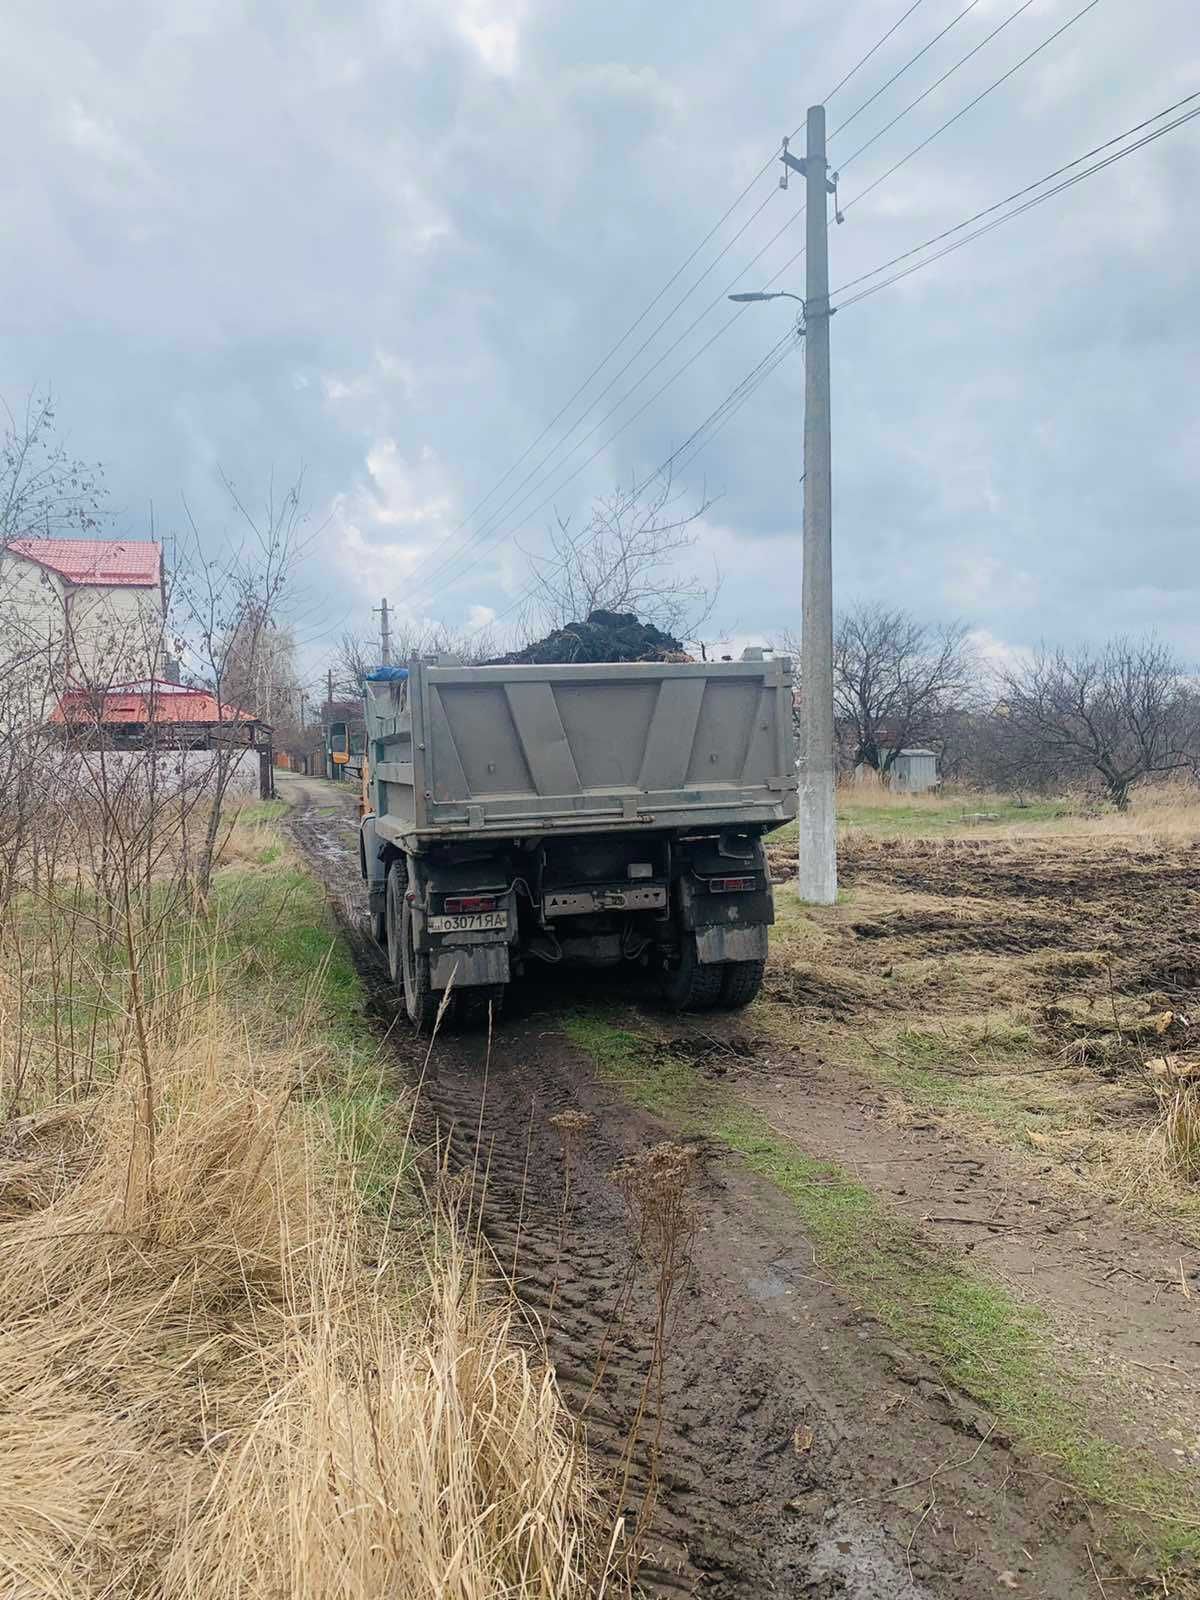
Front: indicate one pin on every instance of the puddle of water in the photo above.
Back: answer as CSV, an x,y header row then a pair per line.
x,y
769,1287
857,1555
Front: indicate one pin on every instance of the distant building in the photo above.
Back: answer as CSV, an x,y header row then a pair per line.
x,y
911,772
81,611
182,725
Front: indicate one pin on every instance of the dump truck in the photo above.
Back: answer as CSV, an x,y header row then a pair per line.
x,y
607,815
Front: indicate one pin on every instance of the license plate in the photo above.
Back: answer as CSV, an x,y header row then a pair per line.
x,y
469,922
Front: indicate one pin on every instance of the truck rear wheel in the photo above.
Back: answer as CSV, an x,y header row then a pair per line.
x,y
420,1000
690,984
740,983
471,1005
393,920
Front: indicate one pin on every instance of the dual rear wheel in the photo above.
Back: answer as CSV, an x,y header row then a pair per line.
x,y
409,967
690,984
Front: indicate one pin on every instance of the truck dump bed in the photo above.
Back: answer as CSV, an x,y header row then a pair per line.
x,y
509,751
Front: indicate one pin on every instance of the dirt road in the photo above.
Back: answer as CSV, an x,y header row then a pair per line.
x,y
802,1450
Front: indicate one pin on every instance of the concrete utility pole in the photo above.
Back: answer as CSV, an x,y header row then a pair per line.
x,y
385,637
818,798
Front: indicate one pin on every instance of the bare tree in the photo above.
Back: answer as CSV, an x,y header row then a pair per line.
x,y
895,681
357,654
233,604
626,559
260,672
1126,712
44,490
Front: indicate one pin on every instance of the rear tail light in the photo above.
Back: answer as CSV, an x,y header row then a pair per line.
x,y
458,903
730,885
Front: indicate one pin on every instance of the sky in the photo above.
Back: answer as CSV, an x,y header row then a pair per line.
x,y
385,241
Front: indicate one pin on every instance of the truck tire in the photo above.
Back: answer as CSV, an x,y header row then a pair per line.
x,y
420,1001
393,920
740,983
691,984
471,1005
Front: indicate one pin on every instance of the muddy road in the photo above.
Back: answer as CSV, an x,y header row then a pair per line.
x,y
800,1450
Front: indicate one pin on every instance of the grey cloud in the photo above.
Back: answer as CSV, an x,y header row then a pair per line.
x,y
251,238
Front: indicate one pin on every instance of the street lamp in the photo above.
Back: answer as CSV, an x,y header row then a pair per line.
x,y
775,294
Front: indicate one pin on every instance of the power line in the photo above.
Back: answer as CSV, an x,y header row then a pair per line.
x,y
727,409
628,423
936,84
494,518
971,104
603,362
600,365
1049,194
841,84
911,62
497,512
449,557
1017,194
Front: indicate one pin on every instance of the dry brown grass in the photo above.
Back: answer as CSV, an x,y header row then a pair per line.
x,y
1014,987
1168,812
220,1376
1176,1081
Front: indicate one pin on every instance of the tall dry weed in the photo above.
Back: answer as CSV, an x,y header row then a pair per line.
x,y
231,1380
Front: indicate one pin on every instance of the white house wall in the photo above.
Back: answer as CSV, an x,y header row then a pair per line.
x,y
116,631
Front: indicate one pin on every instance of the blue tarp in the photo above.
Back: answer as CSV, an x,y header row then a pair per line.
x,y
387,675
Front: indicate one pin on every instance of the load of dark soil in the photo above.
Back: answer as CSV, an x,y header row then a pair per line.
x,y
602,636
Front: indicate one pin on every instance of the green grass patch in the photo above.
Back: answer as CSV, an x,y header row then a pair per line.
x,y
975,1066
982,1338
263,811
933,815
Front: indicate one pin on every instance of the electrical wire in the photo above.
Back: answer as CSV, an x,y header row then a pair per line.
x,y
722,414
628,423
1017,194
486,531
603,362
493,516
911,62
970,105
1049,194
479,504
841,84
937,83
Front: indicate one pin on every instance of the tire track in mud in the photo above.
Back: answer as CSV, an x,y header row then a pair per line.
x,y
596,1307
799,1444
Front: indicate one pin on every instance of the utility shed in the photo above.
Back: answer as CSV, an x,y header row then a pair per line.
x,y
915,771
911,772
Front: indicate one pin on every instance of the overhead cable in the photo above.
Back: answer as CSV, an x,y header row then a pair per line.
x,y
492,522
911,62
700,437
1049,194
970,105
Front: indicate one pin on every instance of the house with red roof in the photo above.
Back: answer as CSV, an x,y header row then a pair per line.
x,y
178,724
82,611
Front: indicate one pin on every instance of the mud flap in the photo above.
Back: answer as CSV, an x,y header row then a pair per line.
x,y
468,965
731,944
